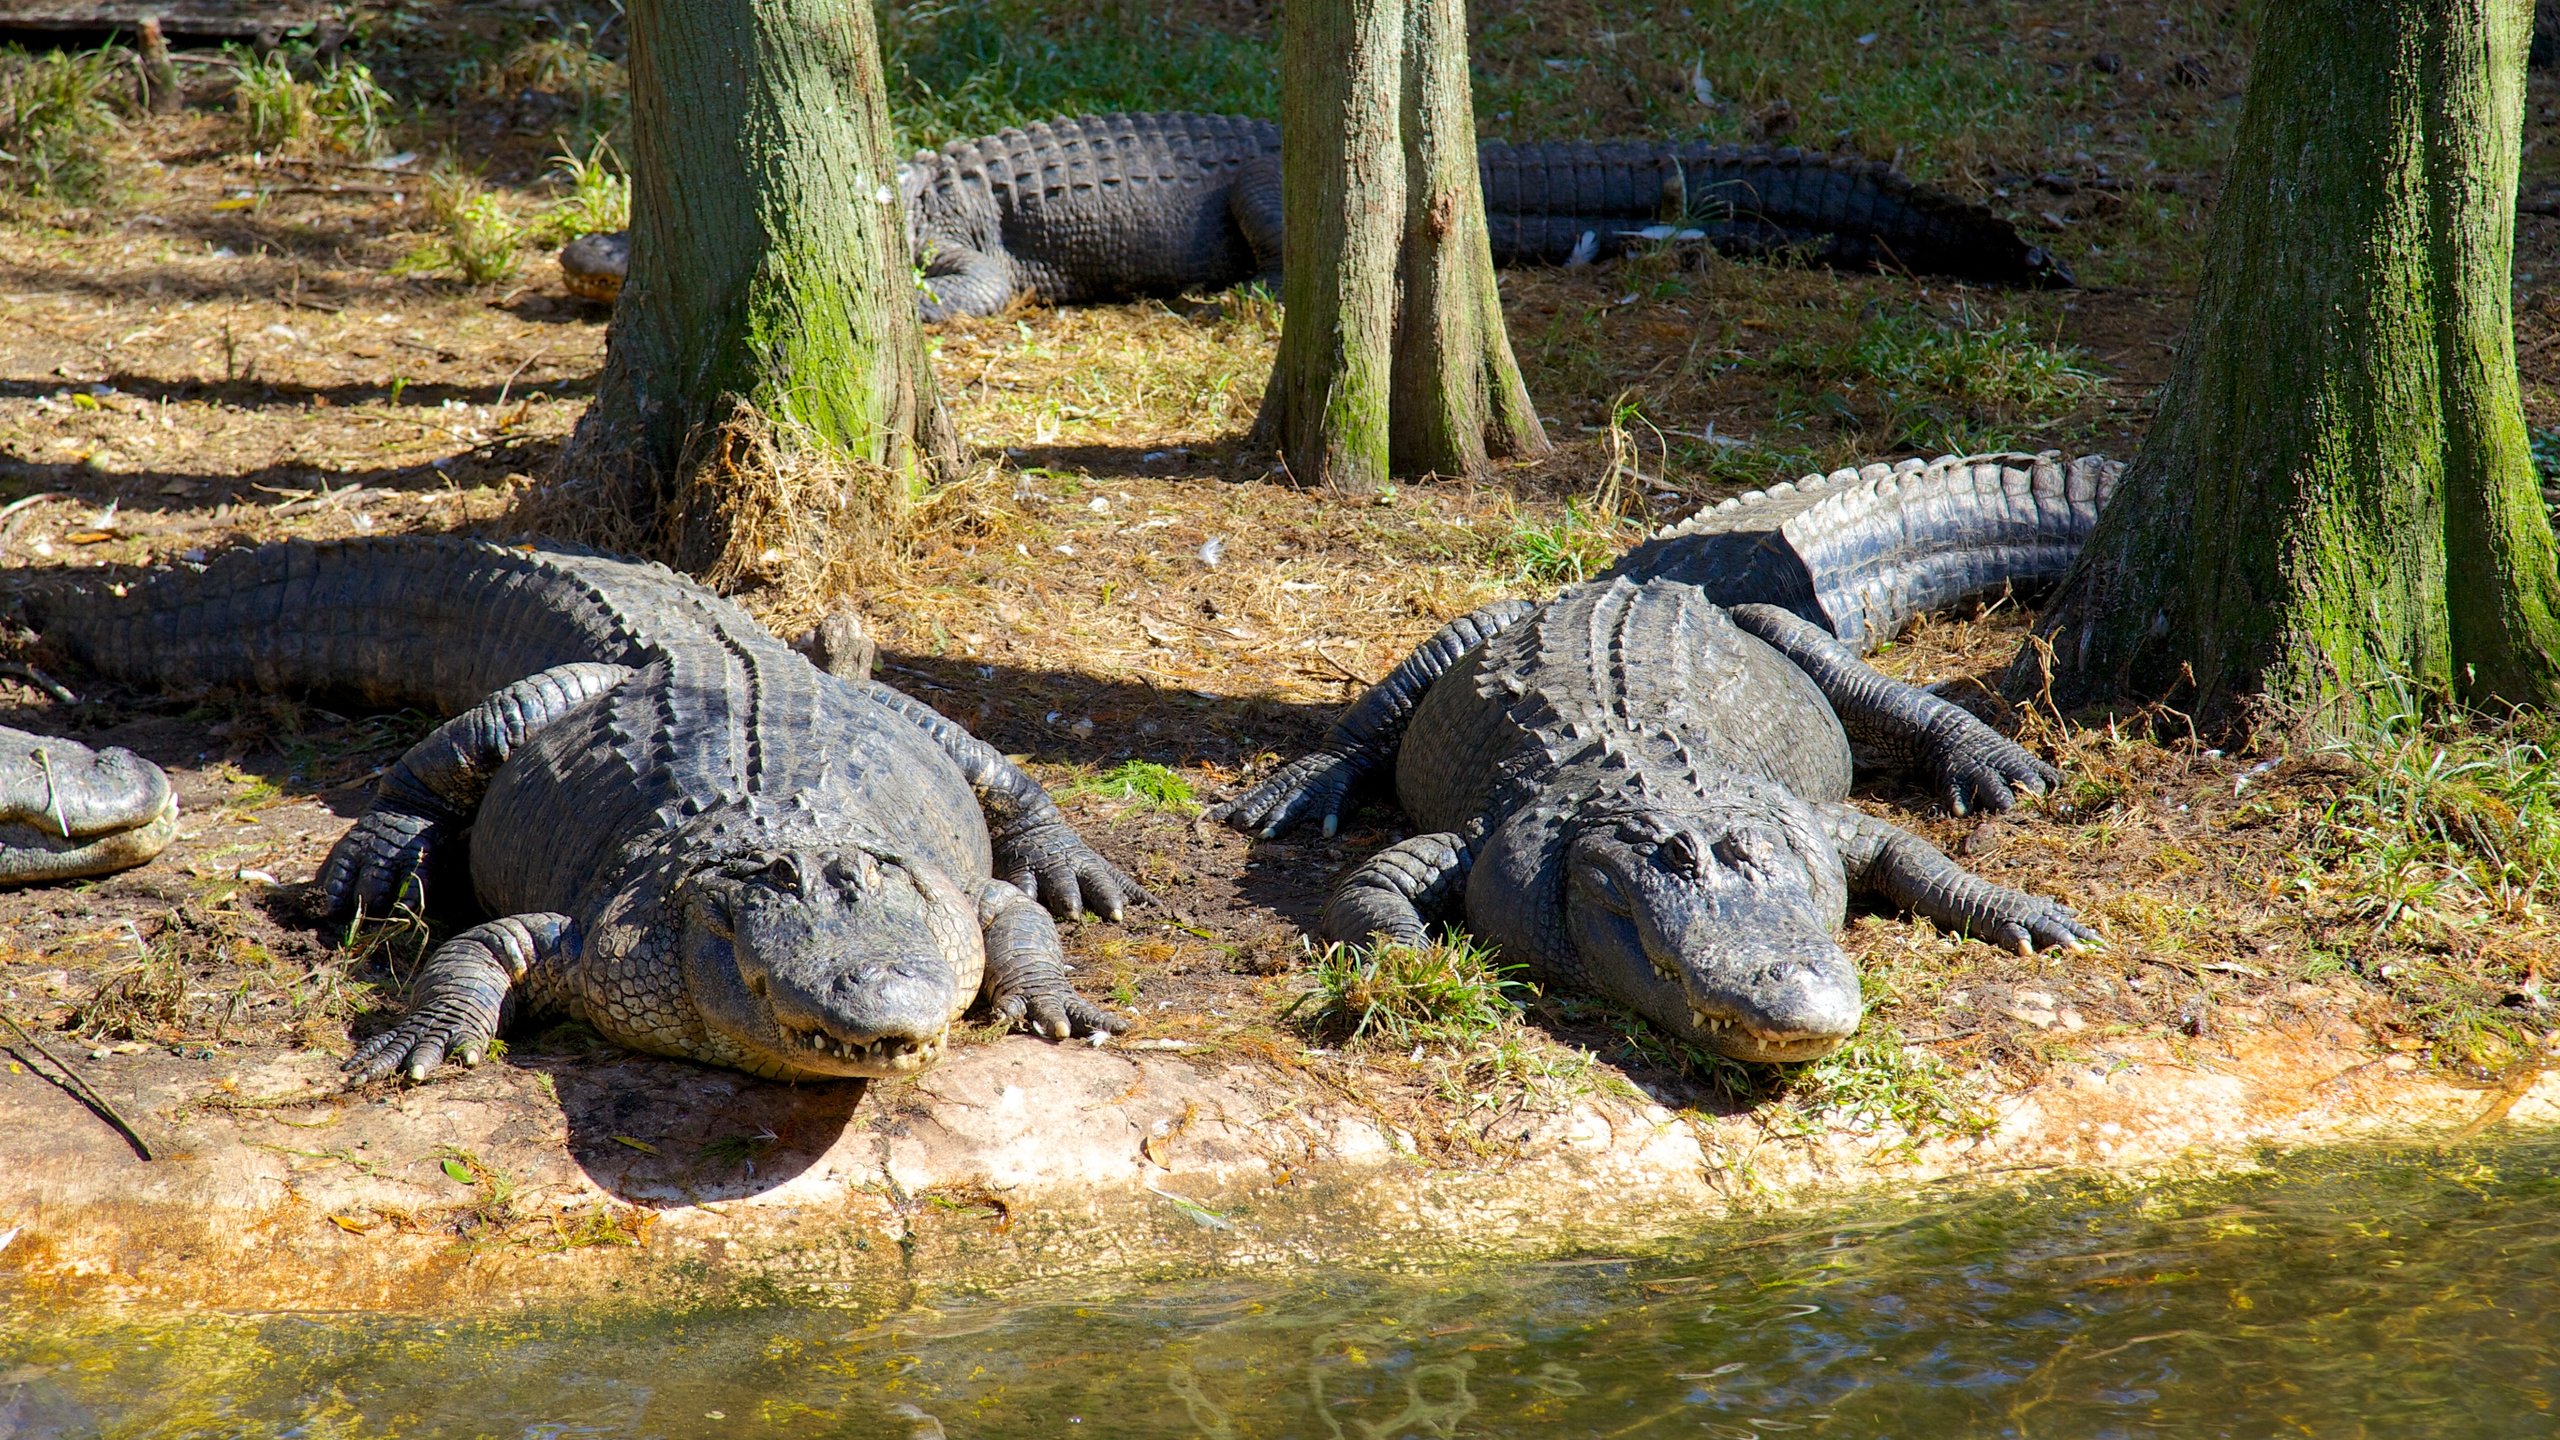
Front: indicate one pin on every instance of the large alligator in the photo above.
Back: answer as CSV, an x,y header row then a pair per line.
x,y
1111,207
1636,788
692,838
68,812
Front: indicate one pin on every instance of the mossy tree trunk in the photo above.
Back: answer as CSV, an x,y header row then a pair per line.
x,y
2337,494
1393,357
771,281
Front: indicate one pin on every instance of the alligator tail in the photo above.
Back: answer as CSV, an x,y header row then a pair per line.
x,y
1541,201
432,622
1862,552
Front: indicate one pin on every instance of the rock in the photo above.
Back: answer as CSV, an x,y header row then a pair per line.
x,y
2106,62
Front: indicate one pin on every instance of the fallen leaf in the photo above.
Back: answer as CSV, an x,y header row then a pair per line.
x,y
1157,1150
89,537
460,1172
352,1225
643,1146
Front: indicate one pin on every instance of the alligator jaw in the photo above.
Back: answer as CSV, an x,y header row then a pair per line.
x,y
878,1058
1737,1040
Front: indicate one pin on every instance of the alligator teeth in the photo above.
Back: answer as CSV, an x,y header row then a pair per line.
x,y
886,1053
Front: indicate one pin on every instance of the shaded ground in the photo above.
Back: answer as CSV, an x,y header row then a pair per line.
x,y
227,348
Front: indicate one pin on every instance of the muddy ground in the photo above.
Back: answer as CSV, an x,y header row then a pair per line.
x,y
242,345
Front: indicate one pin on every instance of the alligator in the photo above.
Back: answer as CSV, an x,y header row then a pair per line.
x,y
1636,789
68,812
690,837
1112,207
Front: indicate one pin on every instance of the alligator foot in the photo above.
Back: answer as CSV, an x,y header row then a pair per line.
x,y
1050,863
1910,872
1026,981
68,811
462,997
1315,784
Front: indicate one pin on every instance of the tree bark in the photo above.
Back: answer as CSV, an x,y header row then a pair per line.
x,y
770,268
2337,500
1393,357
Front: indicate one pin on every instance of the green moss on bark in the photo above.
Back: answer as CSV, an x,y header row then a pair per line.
x,y
2337,492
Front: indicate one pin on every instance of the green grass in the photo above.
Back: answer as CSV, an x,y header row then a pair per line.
x,y
2446,845
961,70
596,196
1448,992
338,108
477,236
1926,378
1570,548
59,111
1144,781
1875,1080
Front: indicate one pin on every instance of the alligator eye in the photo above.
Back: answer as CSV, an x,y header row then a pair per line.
x,y
783,874
1681,851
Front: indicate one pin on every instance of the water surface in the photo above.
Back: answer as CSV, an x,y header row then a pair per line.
x,y
2339,1294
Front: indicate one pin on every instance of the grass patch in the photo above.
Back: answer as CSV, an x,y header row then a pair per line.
x,y
476,238
1926,379
957,71
1566,550
338,108
596,196
1875,1081
1448,992
1144,781
59,113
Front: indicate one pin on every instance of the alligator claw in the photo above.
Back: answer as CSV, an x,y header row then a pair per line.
x,y
380,865
1052,864
1314,784
1989,778
461,998
2041,924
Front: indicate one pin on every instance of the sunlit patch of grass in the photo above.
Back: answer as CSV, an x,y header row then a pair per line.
x,y
593,88
1926,379
1152,785
1514,1069
59,111
477,236
958,71
1571,548
339,108
596,196
1448,992
1875,1081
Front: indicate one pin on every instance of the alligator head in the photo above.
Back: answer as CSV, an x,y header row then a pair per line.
x,y
68,811
846,962
1718,923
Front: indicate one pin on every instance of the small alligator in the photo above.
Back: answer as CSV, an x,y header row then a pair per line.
x,y
67,811
1110,207
692,838
1636,788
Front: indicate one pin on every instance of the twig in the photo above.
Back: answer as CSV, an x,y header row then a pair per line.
x,y
23,501
76,1087
1354,676
40,680
538,353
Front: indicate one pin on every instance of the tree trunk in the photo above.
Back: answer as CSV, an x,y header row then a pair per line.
x,y
1393,358
2337,498
770,281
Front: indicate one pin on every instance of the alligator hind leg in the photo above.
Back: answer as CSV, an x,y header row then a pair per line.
x,y
960,281
67,811
431,793
1026,979
1395,894
462,996
1254,202
1970,765
1364,741
1909,872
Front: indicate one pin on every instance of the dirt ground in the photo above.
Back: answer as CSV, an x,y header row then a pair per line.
x,y
235,349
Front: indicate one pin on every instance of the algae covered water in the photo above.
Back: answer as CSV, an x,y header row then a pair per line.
x,y
2338,1293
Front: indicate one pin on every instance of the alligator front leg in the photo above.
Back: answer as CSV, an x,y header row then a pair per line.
x,y
462,997
67,811
1026,980
1396,894
1364,741
432,792
1035,848
1969,765
1901,868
